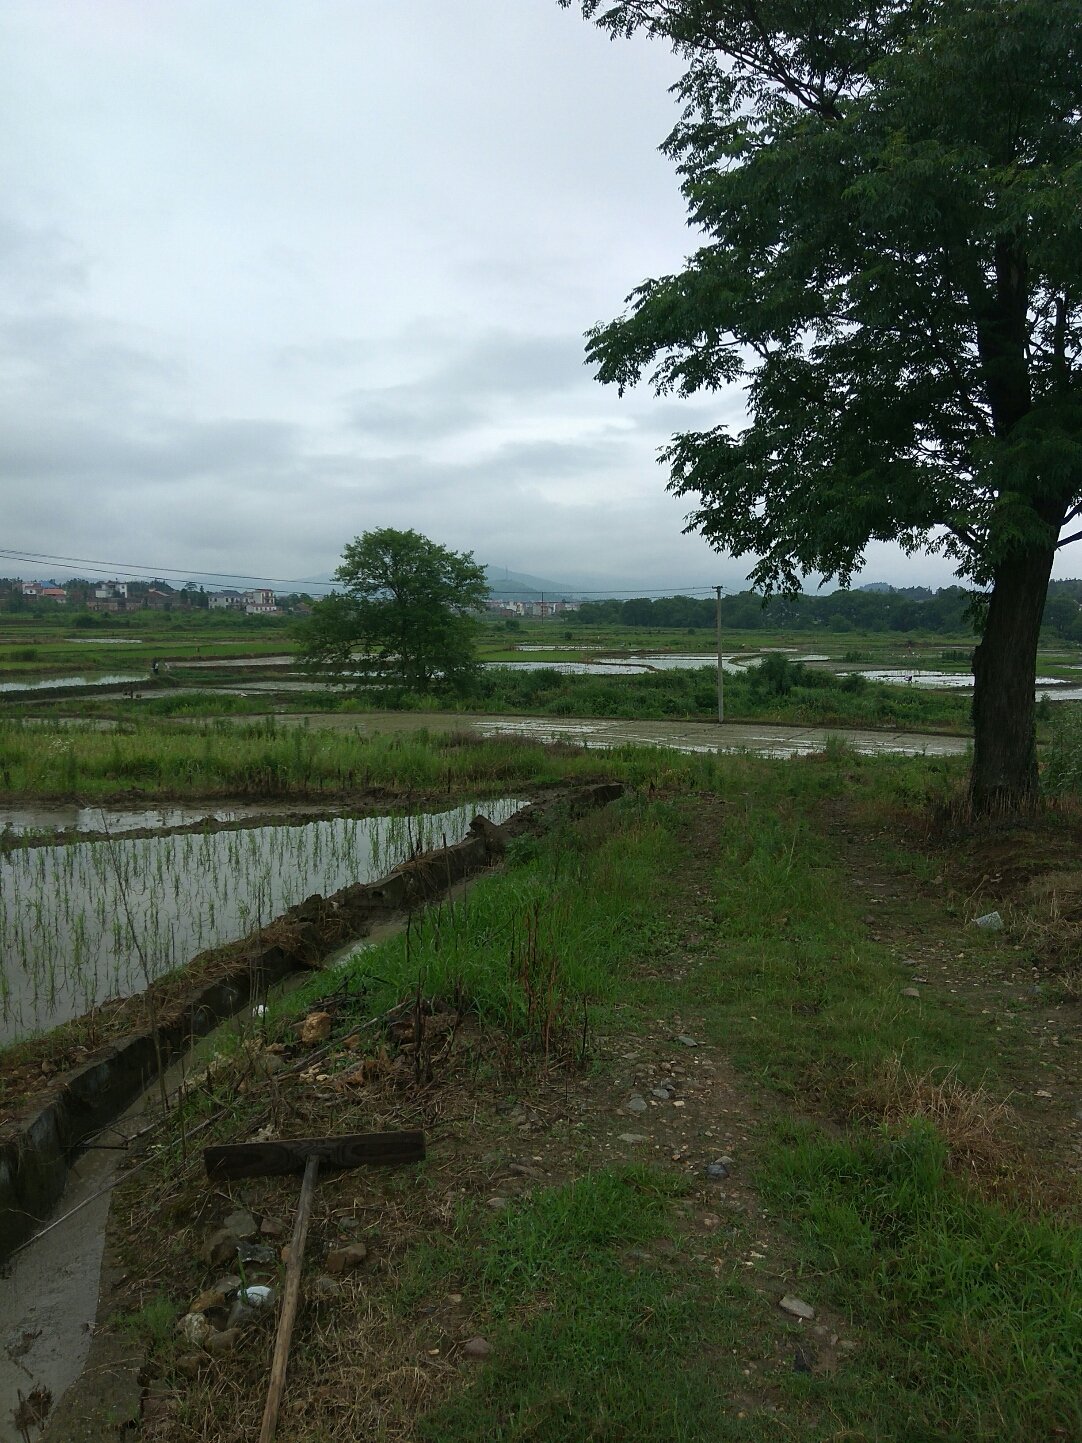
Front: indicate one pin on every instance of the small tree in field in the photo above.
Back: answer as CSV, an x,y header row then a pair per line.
x,y
404,616
890,193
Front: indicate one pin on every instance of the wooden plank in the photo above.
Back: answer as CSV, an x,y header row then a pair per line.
x,y
290,1299
359,1149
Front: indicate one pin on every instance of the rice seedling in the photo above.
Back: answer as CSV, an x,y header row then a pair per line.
x,y
85,921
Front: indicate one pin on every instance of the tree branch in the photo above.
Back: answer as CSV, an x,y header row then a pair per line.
x,y
1075,536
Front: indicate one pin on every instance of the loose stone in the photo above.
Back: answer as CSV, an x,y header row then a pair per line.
x,y
344,1260
796,1307
477,1348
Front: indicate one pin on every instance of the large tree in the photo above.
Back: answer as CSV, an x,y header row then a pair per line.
x,y
891,196
404,616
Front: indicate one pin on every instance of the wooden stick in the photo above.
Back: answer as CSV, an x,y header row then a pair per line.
x,y
290,1299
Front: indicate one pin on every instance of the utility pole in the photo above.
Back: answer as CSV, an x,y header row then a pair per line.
x,y
721,674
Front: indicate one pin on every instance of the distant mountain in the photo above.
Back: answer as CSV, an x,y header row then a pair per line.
x,y
520,586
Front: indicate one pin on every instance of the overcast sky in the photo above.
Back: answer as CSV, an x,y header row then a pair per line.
x,y
274,273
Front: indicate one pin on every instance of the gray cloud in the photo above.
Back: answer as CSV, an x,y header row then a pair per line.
x,y
266,281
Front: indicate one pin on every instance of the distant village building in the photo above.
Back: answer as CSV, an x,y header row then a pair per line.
x,y
109,596
226,600
260,602
36,591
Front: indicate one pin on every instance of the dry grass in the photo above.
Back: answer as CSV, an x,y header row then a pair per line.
x,y
981,1132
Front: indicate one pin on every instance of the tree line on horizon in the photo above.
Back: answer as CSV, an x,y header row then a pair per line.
x,y
948,611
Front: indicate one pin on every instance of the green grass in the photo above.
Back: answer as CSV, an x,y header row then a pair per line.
x,y
539,947
971,1314
588,1343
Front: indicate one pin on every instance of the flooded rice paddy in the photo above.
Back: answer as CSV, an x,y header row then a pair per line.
x,y
81,922
53,683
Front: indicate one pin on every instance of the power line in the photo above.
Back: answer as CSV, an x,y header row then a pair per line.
x,y
103,568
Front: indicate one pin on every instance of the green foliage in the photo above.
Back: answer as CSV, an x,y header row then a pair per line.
x,y
891,205
890,198
404,618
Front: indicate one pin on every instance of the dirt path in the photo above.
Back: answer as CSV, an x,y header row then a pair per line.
x,y
382,1349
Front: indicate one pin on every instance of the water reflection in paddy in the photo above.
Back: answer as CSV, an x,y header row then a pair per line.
x,y
89,920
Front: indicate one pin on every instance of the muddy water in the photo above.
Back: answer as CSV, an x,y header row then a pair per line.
x,y
85,921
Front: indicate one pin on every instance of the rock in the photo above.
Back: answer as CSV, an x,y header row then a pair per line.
x,y
195,1329
259,1253
190,1363
223,1342
454,1299
207,1301
477,1347
323,1289
227,1285
634,1137
637,1103
257,1295
663,1094
687,1041
272,1228
249,1302
990,922
220,1247
270,1063
710,1221
344,1260
241,1224
316,1027
717,1171
796,1307
240,1315
910,991
848,1345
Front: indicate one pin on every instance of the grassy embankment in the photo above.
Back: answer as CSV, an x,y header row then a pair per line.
x,y
880,1171
261,759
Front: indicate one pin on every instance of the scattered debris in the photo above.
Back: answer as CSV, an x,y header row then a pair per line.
x,y
990,922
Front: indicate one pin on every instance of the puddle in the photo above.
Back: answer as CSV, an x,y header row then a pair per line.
x,y
86,921
103,640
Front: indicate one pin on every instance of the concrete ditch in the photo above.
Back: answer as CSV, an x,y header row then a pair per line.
x,y
41,1141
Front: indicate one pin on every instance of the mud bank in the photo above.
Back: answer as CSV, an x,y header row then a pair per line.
x,y
41,1139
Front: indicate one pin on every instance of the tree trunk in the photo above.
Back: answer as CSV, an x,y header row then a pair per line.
x,y
1003,779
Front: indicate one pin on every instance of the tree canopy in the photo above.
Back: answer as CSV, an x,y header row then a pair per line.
x,y
890,193
404,616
